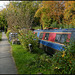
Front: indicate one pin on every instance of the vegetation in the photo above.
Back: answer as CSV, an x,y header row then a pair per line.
x,y
60,12
29,63
0,36
38,62
21,16
69,13
63,62
37,27
30,14
3,21
7,34
33,63
26,37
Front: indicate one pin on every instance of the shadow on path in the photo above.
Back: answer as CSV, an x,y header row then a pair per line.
x,y
4,39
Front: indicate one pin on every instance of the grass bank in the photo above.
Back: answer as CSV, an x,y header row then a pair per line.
x,y
30,63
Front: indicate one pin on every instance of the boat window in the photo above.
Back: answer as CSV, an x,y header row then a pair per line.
x,y
12,35
46,36
63,38
58,37
41,35
73,36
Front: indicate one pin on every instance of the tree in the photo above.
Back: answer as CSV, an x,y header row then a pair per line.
x,y
69,13
21,14
50,11
3,22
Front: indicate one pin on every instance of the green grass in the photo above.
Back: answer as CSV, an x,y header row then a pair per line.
x,y
0,36
29,63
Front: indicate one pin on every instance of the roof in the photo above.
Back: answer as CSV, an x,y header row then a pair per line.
x,y
55,30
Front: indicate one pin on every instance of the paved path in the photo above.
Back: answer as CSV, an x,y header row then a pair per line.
x,y
7,65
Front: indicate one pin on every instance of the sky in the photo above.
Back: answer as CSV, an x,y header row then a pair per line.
x,y
3,3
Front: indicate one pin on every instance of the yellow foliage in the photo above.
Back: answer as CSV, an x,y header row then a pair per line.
x,y
70,61
63,54
69,12
52,9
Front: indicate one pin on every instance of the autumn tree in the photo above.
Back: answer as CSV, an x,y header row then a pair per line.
x,y
50,11
69,13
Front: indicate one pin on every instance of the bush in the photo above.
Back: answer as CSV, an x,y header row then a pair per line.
x,y
8,33
27,37
63,62
54,25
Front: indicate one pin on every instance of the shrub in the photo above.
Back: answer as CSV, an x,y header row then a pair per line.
x,y
27,37
63,62
8,33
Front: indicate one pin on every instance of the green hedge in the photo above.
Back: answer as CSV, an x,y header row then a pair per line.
x,y
7,34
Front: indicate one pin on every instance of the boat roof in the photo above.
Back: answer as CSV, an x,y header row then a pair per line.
x,y
56,30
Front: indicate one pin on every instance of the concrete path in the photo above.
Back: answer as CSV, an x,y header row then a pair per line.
x,y
7,65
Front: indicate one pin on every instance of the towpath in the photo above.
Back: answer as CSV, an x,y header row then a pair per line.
x,y
7,64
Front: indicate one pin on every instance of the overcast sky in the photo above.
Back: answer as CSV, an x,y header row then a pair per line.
x,y
3,3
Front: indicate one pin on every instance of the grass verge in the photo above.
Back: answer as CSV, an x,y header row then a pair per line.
x,y
29,63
